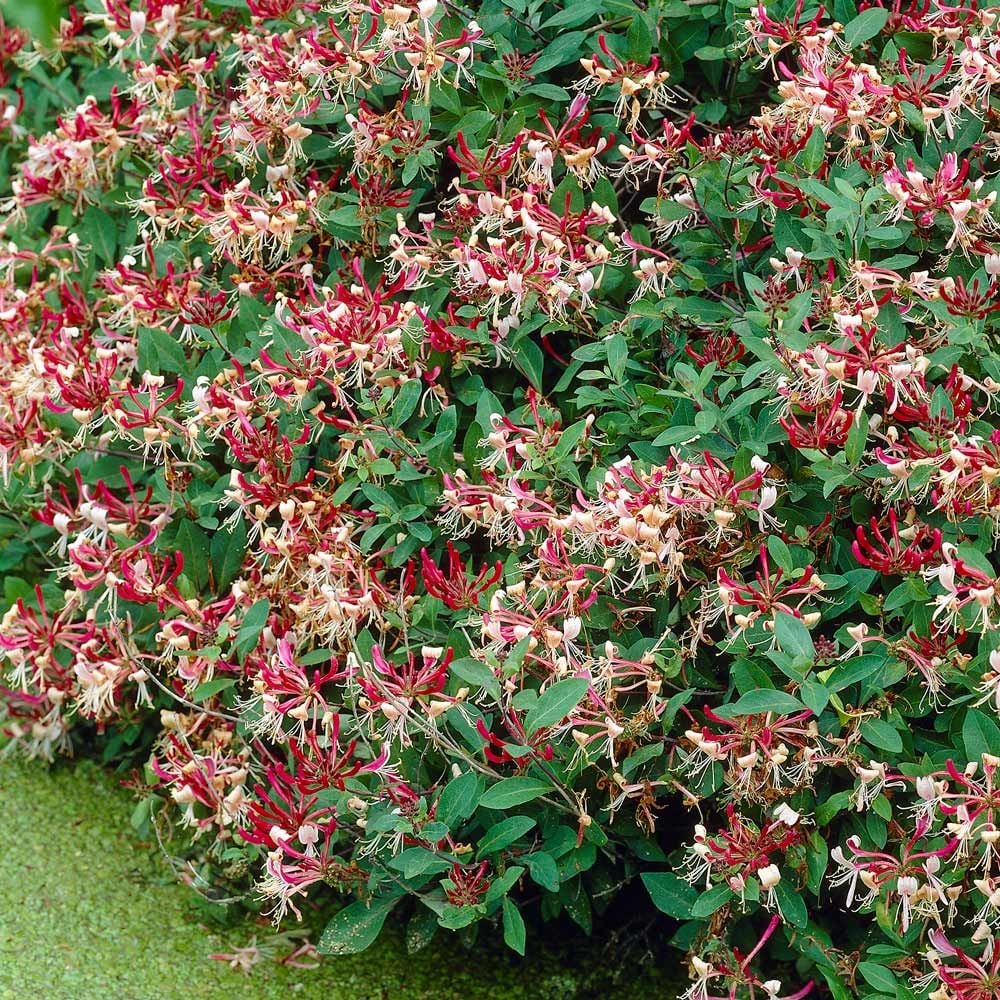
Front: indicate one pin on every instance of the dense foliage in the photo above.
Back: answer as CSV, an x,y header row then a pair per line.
x,y
478,459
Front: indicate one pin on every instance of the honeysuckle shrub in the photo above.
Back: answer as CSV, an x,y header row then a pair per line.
x,y
478,461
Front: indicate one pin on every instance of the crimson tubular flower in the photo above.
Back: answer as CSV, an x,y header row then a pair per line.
x,y
451,585
901,552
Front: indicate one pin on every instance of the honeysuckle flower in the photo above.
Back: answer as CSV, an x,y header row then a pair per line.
x,y
376,435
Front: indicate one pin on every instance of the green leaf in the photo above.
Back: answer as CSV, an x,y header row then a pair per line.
x,y
502,885
710,53
214,686
253,624
486,405
544,870
440,446
574,14
39,18
641,756
513,926
780,553
417,861
529,358
836,985
514,792
757,702
671,894
315,656
566,48
675,435
493,93
420,929
711,900
143,812
194,546
515,658
815,151
503,834
159,353
411,167
881,734
865,26
405,402
617,356
829,808
577,905
16,588
878,976
980,734
346,215
968,553
458,800
568,440
555,703
857,438
639,39
228,549
549,91
791,904
477,674
792,635
858,668
355,927
817,860
101,232
454,918
815,696
475,121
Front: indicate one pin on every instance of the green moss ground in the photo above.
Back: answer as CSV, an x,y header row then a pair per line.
x,y
86,914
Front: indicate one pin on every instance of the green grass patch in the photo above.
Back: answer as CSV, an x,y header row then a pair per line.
x,y
87,914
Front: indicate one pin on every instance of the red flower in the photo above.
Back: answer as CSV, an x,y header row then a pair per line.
x,y
901,552
452,585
